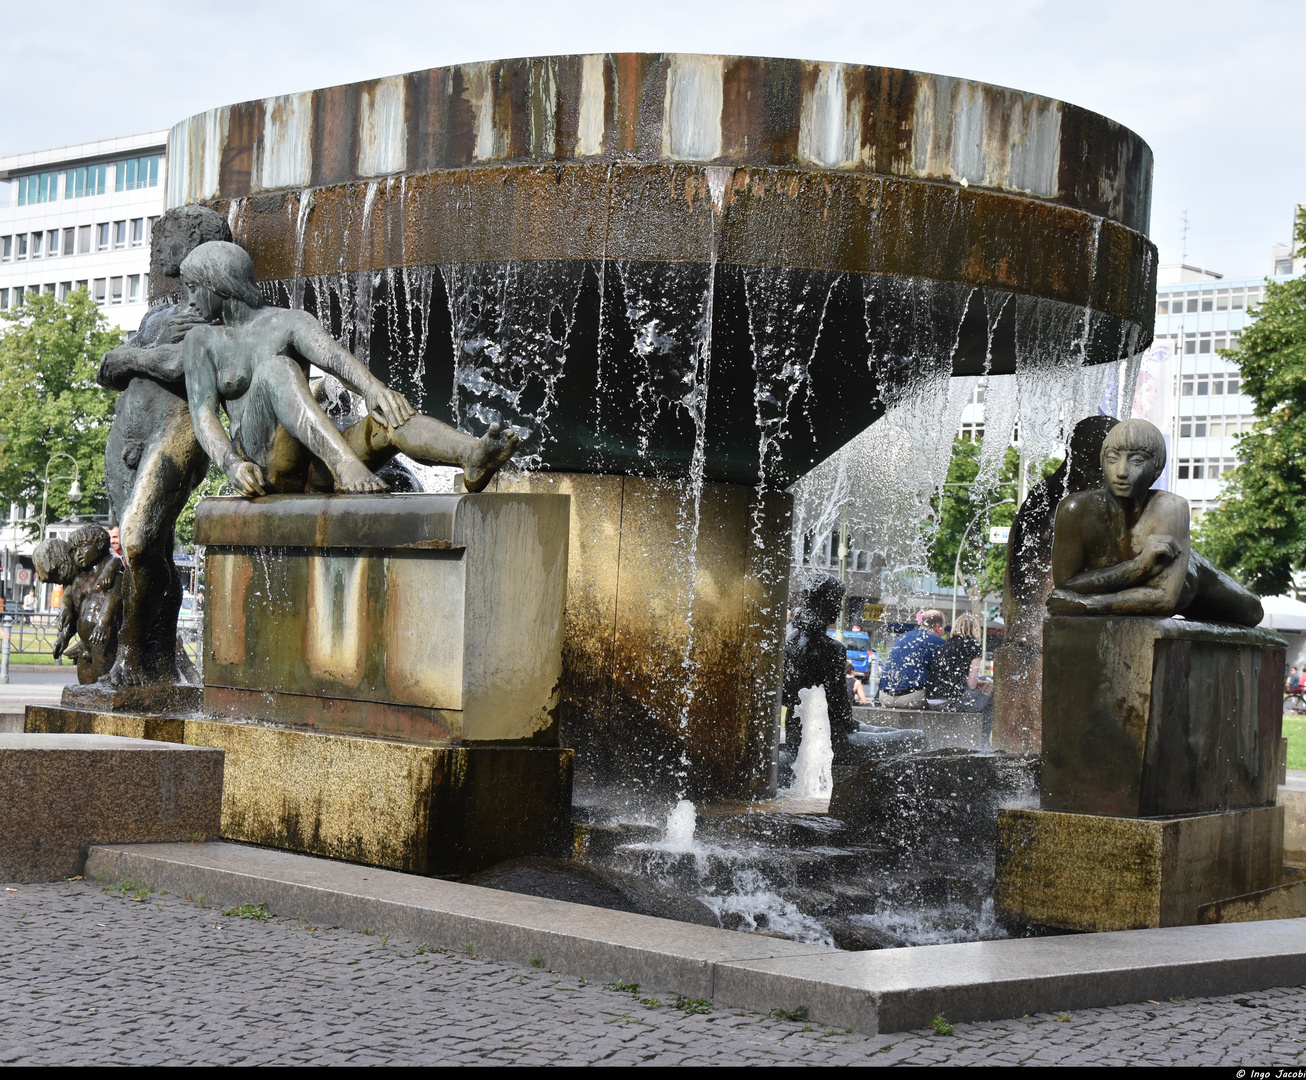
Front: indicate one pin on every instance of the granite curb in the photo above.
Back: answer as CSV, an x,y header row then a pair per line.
x,y
872,992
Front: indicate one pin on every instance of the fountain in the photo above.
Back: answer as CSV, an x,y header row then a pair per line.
x,y
684,281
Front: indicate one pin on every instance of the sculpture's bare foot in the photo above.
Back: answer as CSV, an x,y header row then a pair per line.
x,y
355,478
128,669
493,449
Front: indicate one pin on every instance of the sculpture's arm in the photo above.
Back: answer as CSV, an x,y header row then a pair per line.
x,y
163,363
318,347
160,360
202,396
67,622
1110,579
112,606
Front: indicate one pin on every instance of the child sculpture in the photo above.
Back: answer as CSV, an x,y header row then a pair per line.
x,y
1124,549
92,599
254,364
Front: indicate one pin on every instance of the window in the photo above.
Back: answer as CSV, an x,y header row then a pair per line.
x,y
134,289
1219,343
1190,344
137,173
38,188
1192,303
22,245
97,290
1236,300
120,234
1203,386
1253,297
88,180
1207,299
1163,307
37,237
4,299
1222,300
16,295
83,240
1186,388
1231,386
48,288
115,290
52,243
1282,266
68,240
137,232
149,227
7,248
65,287
83,284
102,236
972,430
1204,346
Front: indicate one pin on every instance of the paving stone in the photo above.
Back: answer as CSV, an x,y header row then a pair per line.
x,y
93,976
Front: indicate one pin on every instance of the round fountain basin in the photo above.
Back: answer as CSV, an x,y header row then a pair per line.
x,y
682,264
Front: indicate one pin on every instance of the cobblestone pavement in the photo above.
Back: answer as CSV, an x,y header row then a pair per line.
x,y
125,977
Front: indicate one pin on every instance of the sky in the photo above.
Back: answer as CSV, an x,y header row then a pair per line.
x,y
1212,87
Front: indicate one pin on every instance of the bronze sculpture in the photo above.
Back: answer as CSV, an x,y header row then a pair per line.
x,y
253,362
91,607
152,461
1124,549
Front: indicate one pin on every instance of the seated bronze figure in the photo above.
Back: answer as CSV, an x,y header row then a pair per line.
x,y
1124,549
254,363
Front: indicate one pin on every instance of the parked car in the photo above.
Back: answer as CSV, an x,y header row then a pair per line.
x,y
857,647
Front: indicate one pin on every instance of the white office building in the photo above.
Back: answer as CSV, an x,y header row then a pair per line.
x,y
80,217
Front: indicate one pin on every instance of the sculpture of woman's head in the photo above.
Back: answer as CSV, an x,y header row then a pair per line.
x,y
216,274
1133,456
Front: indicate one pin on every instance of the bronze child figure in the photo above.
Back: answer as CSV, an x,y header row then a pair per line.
x,y
92,600
255,364
1124,549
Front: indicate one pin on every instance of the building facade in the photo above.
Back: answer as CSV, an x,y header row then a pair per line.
x,y
79,217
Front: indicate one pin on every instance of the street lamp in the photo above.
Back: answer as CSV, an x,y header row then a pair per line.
x,y
956,568
74,491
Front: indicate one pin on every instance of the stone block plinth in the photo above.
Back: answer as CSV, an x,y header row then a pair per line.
x,y
1159,717
59,794
428,618
405,806
1092,872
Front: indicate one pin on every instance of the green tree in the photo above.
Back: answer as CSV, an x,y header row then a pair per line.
x,y
959,506
1258,533
49,400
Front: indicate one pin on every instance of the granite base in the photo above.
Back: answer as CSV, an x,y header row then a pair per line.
x,y
1091,872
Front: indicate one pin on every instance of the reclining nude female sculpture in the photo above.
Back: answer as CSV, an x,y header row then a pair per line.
x,y
254,364
1124,549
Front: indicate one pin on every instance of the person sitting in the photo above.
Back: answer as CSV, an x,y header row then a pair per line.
x,y
951,673
1124,549
254,364
853,679
907,669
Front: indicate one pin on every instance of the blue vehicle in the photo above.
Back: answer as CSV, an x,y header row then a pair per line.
x,y
857,647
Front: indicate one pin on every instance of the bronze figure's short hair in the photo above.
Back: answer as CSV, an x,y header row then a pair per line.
x,y
89,534
53,559
1137,435
225,269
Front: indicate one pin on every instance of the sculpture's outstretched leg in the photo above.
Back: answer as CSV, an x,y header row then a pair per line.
x,y
279,394
433,442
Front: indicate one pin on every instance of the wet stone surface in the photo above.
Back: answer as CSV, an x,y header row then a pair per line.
x,y
125,977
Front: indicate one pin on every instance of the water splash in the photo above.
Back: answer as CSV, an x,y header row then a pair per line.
x,y
812,776
681,822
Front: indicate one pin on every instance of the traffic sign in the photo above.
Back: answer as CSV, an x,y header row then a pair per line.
x,y
998,534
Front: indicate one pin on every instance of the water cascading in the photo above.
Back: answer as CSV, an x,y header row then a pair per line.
x,y
686,281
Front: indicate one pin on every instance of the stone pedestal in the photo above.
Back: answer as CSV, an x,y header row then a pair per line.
x,y
1160,749
404,806
428,618
1092,872
1156,717
59,794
